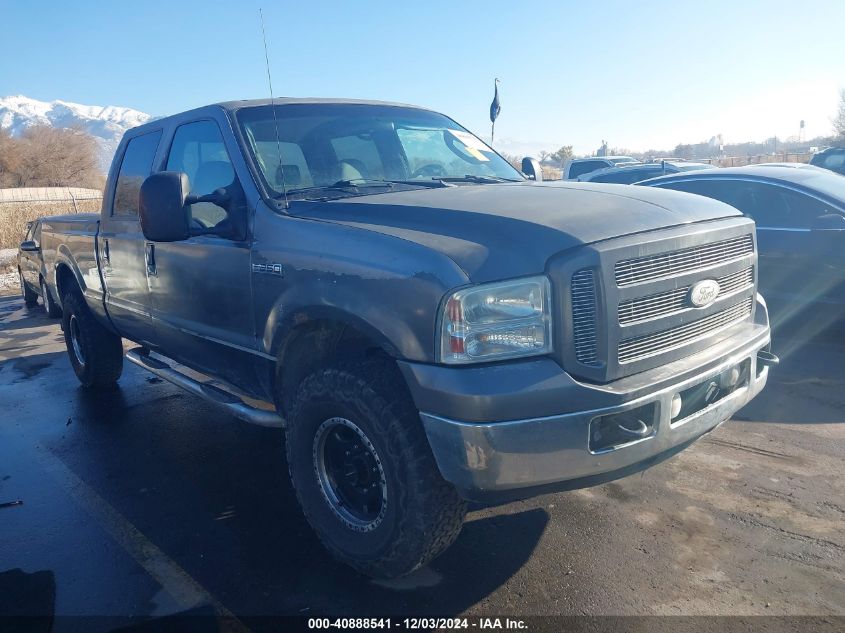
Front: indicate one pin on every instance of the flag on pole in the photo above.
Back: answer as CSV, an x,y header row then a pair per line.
x,y
495,106
495,109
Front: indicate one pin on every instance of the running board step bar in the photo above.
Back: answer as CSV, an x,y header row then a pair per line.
x,y
208,392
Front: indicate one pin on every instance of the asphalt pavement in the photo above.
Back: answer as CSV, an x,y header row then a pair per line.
x,y
144,501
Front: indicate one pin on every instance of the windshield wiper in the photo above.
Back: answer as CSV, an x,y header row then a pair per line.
x,y
484,180
343,186
354,186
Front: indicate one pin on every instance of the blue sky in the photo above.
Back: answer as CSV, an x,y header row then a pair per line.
x,y
645,74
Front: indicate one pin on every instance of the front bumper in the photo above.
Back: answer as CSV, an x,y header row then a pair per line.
x,y
518,458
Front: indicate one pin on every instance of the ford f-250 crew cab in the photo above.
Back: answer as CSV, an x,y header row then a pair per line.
x,y
430,325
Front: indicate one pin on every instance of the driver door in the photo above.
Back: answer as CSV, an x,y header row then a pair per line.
x,y
201,287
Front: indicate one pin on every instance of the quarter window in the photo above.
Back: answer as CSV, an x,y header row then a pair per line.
x,y
137,164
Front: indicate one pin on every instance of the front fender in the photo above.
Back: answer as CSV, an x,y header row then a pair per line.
x,y
386,288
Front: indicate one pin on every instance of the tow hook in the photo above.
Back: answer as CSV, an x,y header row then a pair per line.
x,y
767,358
642,429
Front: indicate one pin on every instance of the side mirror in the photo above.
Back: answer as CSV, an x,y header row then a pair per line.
x,y
829,222
531,168
164,215
29,246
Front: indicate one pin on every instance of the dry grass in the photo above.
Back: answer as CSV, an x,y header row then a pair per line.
x,y
15,215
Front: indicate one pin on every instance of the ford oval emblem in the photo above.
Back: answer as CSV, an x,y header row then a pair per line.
x,y
704,292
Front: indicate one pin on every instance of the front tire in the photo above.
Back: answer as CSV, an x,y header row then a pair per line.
x,y
53,311
96,354
364,473
30,298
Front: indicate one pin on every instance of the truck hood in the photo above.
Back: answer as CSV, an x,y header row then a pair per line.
x,y
512,229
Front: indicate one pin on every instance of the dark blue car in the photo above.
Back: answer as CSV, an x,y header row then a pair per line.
x,y
800,216
629,174
832,158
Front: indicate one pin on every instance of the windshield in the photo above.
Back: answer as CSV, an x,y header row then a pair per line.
x,y
358,145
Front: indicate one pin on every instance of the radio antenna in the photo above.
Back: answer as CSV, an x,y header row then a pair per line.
x,y
273,107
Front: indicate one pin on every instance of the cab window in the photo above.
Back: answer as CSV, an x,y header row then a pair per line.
x,y
198,150
136,165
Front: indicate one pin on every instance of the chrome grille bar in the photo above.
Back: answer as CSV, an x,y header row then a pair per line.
x,y
584,316
640,269
651,344
674,301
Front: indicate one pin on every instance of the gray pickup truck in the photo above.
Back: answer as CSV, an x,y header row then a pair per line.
x,y
428,324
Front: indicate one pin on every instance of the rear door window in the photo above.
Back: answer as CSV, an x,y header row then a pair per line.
x,y
136,165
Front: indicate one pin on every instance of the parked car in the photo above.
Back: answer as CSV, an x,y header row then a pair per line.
x,y
787,165
800,216
31,270
580,166
429,326
832,158
627,174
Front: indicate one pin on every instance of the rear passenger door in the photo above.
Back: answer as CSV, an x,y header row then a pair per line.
x,y
121,242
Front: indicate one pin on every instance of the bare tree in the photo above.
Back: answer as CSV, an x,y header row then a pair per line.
x,y
839,120
562,154
9,159
49,157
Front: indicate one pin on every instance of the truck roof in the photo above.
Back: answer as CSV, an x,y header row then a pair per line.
x,y
233,106
250,103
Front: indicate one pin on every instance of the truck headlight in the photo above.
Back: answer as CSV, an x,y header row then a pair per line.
x,y
494,321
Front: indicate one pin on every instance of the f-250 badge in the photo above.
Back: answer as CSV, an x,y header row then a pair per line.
x,y
268,268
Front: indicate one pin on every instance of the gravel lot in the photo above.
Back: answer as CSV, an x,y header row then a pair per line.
x,y
145,501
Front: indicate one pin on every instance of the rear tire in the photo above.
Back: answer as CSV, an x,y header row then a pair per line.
x,y
53,311
364,474
96,354
30,298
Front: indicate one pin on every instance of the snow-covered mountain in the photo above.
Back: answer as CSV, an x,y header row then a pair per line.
x,y
106,123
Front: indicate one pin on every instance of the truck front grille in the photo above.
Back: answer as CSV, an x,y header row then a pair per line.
x,y
639,347
674,301
626,303
640,269
584,315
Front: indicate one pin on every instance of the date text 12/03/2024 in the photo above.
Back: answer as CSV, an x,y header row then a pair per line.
x,y
412,624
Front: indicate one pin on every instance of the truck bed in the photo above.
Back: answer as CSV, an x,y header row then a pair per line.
x,y
71,241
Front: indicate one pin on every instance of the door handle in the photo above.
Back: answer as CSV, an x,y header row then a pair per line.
x,y
150,257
